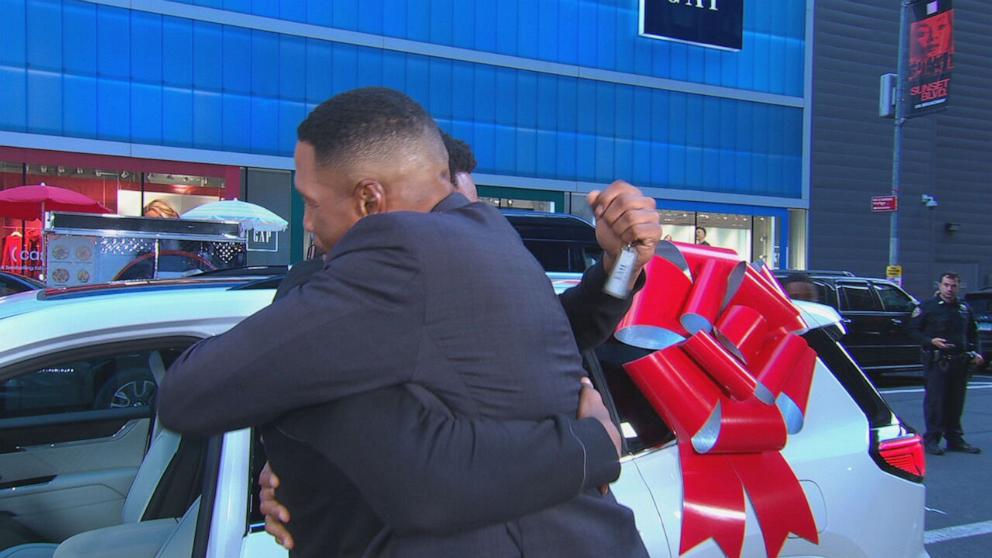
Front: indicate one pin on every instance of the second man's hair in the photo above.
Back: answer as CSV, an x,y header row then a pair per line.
x,y
460,157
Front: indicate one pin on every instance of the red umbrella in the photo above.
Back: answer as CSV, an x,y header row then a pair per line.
x,y
31,202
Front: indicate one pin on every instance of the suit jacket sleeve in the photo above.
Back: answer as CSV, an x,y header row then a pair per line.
x,y
352,327
592,313
451,464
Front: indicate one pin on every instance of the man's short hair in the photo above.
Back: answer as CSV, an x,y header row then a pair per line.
x,y
701,228
949,275
369,122
460,157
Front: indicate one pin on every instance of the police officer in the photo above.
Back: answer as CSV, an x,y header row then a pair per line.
x,y
945,328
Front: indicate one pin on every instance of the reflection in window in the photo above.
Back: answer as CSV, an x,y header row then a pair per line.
x,y
857,297
525,205
123,379
893,299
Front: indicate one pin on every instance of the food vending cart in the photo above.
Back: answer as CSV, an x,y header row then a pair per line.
x,y
83,248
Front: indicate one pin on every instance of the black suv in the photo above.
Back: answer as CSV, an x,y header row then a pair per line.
x,y
876,315
981,304
559,241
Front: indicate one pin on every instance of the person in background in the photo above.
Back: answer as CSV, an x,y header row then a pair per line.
x,y
701,236
461,165
945,328
799,286
161,209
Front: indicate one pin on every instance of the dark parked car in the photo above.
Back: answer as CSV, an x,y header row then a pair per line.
x,y
876,315
11,283
561,242
981,305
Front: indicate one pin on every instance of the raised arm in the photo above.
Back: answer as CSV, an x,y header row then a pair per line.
x,y
624,216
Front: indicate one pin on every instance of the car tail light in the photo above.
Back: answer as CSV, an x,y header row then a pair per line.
x,y
904,455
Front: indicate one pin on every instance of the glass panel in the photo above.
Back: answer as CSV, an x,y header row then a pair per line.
x,y
528,205
168,196
121,379
678,226
764,247
725,230
893,299
97,184
857,297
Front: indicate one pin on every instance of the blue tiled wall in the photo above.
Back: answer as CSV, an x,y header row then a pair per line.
x,y
83,70
592,33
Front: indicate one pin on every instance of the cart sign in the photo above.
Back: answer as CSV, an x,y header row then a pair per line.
x,y
709,23
884,204
931,56
263,241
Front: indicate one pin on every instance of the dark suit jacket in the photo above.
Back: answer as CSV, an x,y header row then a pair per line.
x,y
450,301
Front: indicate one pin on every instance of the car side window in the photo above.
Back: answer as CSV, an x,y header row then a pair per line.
x,y
893,299
640,425
116,379
858,297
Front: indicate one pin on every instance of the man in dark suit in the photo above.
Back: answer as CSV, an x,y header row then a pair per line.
x,y
419,421
415,291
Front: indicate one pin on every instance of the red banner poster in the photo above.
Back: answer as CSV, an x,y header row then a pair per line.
x,y
931,56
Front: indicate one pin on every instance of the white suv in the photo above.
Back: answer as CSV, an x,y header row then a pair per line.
x,y
82,461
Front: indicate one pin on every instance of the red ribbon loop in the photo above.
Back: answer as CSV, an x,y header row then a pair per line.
x,y
716,387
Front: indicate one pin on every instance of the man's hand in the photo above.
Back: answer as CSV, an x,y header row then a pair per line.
x,y
276,515
940,343
591,406
978,360
625,216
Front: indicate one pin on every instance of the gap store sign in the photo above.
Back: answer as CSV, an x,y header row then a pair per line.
x,y
709,23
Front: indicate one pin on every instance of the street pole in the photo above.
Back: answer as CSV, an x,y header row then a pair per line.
x,y
900,118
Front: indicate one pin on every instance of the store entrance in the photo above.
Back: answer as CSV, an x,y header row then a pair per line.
x,y
753,237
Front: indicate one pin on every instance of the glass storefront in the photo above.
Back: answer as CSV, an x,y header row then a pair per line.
x,y
753,237
121,186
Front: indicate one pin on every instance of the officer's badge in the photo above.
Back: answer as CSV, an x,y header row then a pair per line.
x,y
916,312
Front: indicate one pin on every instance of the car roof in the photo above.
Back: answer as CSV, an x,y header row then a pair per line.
x,y
41,321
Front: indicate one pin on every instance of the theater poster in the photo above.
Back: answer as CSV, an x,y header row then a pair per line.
x,y
931,56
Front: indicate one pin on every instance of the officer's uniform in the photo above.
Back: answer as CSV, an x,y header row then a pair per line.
x,y
945,371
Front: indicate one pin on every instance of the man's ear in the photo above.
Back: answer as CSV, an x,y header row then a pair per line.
x,y
370,197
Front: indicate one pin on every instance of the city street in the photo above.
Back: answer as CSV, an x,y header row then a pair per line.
x,y
959,491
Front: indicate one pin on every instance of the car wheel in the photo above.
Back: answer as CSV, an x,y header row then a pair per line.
x,y
127,389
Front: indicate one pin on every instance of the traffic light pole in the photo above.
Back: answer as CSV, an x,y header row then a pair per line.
x,y
900,119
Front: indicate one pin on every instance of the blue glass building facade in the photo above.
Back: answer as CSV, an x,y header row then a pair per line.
x,y
556,97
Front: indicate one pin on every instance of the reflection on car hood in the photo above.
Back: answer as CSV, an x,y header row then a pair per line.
x,y
819,315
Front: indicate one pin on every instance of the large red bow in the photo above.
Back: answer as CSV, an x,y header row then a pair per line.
x,y
732,379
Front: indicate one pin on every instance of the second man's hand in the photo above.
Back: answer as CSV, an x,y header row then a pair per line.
x,y
625,216
276,515
591,406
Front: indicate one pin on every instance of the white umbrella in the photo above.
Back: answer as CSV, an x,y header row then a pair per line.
x,y
248,215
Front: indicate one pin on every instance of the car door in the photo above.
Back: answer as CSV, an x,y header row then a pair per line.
x,y
866,325
74,427
898,307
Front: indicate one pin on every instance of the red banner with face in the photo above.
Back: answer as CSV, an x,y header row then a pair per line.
x,y
931,56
